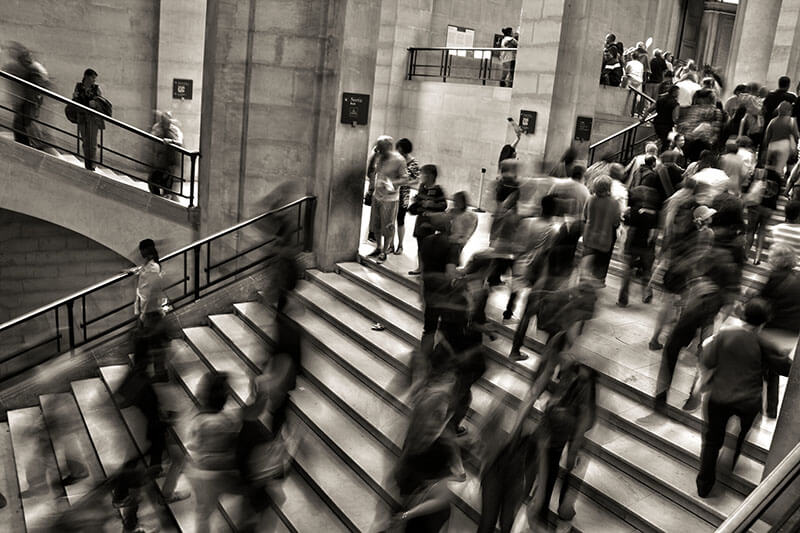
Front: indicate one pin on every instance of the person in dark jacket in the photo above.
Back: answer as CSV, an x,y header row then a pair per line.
x,y
738,358
601,220
87,92
429,199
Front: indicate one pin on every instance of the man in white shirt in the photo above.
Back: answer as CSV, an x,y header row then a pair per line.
x,y
508,58
688,86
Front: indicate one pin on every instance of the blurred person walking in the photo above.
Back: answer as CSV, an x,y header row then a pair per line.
x,y
738,358
162,179
780,138
150,308
430,199
601,220
463,222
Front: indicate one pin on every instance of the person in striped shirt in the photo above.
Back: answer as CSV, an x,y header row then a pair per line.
x,y
788,232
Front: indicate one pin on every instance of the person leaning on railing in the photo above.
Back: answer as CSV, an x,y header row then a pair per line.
x,y
88,93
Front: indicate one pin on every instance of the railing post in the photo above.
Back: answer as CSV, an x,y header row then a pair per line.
x,y
442,62
196,276
411,53
101,146
308,225
71,324
191,181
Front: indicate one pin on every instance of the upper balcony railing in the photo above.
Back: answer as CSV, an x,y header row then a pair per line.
x,y
122,148
470,64
190,273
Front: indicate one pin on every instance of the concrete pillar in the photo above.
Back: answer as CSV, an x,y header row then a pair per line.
x,y
349,66
180,55
753,38
535,74
785,438
783,61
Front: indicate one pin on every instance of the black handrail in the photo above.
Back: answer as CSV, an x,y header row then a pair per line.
x,y
193,287
193,155
443,66
629,142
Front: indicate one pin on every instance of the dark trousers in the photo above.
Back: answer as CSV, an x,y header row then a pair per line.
x,y
599,263
637,257
430,324
698,313
499,498
553,458
88,129
531,308
714,436
497,269
151,339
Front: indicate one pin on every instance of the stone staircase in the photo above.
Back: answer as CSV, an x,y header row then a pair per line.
x,y
350,410
107,172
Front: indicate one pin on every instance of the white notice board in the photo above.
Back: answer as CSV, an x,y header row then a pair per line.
x,y
459,37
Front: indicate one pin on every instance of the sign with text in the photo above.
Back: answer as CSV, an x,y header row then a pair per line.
x,y
355,108
182,89
583,129
527,121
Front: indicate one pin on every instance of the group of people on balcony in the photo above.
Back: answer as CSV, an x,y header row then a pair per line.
x,y
27,122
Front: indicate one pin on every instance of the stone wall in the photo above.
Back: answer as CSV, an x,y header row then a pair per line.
x,y
180,55
117,38
41,262
459,128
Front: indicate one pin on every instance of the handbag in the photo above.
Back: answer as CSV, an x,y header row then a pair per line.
x,y
104,105
71,113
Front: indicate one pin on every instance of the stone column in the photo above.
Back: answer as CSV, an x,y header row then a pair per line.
x,y
180,55
535,74
349,66
753,38
783,61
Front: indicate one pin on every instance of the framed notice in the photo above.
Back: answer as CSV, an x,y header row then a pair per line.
x,y
182,89
527,121
460,37
583,129
355,109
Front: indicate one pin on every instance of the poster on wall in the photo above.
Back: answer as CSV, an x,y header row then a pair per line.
x,y
583,129
460,37
355,109
527,121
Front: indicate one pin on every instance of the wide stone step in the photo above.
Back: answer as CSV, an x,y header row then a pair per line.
x,y
112,441
623,367
71,443
11,514
299,506
469,492
40,489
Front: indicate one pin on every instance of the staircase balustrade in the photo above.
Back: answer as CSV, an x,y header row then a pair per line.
x,y
190,273
473,64
120,145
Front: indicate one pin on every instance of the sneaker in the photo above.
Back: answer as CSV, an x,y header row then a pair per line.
x,y
375,253
399,251
381,257
692,403
377,326
654,345
461,431
516,355
622,304
507,315
176,496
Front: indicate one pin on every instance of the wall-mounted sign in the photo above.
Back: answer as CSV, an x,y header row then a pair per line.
x,y
355,108
182,89
527,121
583,129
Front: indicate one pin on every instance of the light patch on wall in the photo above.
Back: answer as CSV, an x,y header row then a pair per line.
x,y
459,37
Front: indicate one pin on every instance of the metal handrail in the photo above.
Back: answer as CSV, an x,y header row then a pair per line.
x,y
764,494
443,69
97,114
468,48
195,285
623,131
643,95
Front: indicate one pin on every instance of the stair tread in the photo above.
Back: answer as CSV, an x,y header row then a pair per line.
x,y
109,435
69,436
11,514
34,459
221,357
244,339
301,506
642,379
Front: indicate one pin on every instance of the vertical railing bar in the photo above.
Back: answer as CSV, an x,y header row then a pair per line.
x,y
58,332
208,263
184,274
101,147
83,315
196,251
71,324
